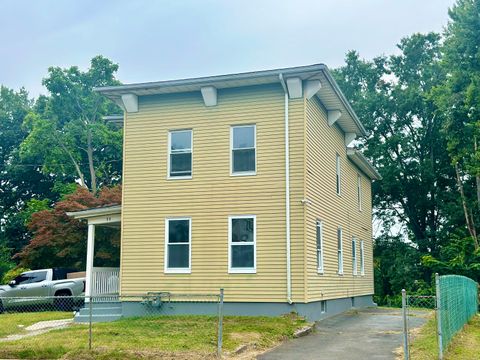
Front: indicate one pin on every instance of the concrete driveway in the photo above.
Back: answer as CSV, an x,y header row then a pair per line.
x,y
371,333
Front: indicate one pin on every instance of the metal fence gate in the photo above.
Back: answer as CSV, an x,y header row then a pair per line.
x,y
455,302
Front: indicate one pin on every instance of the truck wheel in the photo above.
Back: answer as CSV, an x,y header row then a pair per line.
x,y
63,301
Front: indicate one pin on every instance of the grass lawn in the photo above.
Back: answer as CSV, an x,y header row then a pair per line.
x,y
465,345
179,337
15,323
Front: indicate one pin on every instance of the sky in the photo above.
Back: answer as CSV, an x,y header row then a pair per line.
x,y
162,40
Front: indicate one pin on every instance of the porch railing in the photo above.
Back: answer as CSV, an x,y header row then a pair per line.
x,y
105,281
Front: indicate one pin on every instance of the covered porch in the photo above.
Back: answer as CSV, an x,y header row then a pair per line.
x,y
101,283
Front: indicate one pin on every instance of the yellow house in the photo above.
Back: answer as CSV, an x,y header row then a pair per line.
x,y
245,182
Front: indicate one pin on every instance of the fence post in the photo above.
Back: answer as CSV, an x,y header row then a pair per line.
x,y
220,324
90,324
438,311
405,326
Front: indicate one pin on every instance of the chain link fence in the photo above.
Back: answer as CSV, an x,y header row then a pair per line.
x,y
142,325
454,304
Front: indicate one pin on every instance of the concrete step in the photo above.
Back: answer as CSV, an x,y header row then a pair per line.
x,y
96,318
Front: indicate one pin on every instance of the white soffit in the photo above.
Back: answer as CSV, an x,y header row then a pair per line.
x,y
311,88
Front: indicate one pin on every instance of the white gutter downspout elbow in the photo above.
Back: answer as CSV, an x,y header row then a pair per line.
x,y
287,193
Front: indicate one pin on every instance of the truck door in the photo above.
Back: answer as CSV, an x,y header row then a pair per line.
x,y
36,287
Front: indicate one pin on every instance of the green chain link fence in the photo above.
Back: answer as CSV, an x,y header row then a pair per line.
x,y
457,299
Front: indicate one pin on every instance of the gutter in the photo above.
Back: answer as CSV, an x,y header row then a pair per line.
x,y
287,193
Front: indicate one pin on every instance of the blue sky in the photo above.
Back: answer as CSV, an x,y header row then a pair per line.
x,y
160,40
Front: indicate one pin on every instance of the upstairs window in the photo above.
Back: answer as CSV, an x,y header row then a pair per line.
x,y
340,251
354,256
177,245
243,150
362,259
242,244
359,192
180,154
338,167
319,246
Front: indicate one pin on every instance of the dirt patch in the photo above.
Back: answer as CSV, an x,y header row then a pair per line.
x,y
246,338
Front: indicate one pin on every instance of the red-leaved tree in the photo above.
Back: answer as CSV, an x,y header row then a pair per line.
x,y
60,241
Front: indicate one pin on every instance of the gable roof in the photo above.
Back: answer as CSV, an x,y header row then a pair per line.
x,y
329,94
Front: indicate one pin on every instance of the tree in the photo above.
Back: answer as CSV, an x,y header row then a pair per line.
x,y
67,132
393,96
20,182
458,99
60,241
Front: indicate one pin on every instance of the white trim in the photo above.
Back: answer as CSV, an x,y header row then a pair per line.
x,y
311,87
186,177
333,116
340,251
359,192
354,257
209,94
295,88
349,137
243,173
242,270
362,259
319,225
338,174
89,262
130,102
166,269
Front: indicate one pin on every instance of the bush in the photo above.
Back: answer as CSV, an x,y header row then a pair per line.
x,y
12,274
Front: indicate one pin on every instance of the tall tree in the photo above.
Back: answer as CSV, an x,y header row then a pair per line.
x,y
459,101
68,133
393,96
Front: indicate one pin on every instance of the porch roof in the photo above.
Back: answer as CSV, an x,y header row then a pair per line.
x,y
100,215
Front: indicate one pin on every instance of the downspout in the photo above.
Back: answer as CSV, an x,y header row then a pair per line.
x,y
287,192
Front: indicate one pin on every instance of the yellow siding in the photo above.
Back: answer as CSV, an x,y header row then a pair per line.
x,y
322,144
212,194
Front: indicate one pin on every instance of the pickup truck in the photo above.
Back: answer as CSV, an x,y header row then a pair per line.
x,y
41,288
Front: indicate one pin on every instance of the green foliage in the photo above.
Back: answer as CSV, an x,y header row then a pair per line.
x,y
66,131
12,274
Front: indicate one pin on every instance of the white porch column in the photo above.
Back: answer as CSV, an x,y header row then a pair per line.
x,y
89,267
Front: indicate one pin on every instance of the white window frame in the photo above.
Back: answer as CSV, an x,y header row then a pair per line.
x,y
340,250
188,270
354,256
242,270
169,177
243,173
320,263
359,192
338,175
362,258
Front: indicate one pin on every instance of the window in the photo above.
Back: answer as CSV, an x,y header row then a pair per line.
x,y
338,175
242,244
319,246
354,256
340,251
359,192
362,259
177,245
180,154
323,306
243,153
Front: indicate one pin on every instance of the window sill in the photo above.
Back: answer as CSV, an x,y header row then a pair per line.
x,y
242,271
320,271
178,271
340,273
179,177
246,173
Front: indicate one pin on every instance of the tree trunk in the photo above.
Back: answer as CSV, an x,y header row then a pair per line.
x,y
93,177
77,167
477,177
468,216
